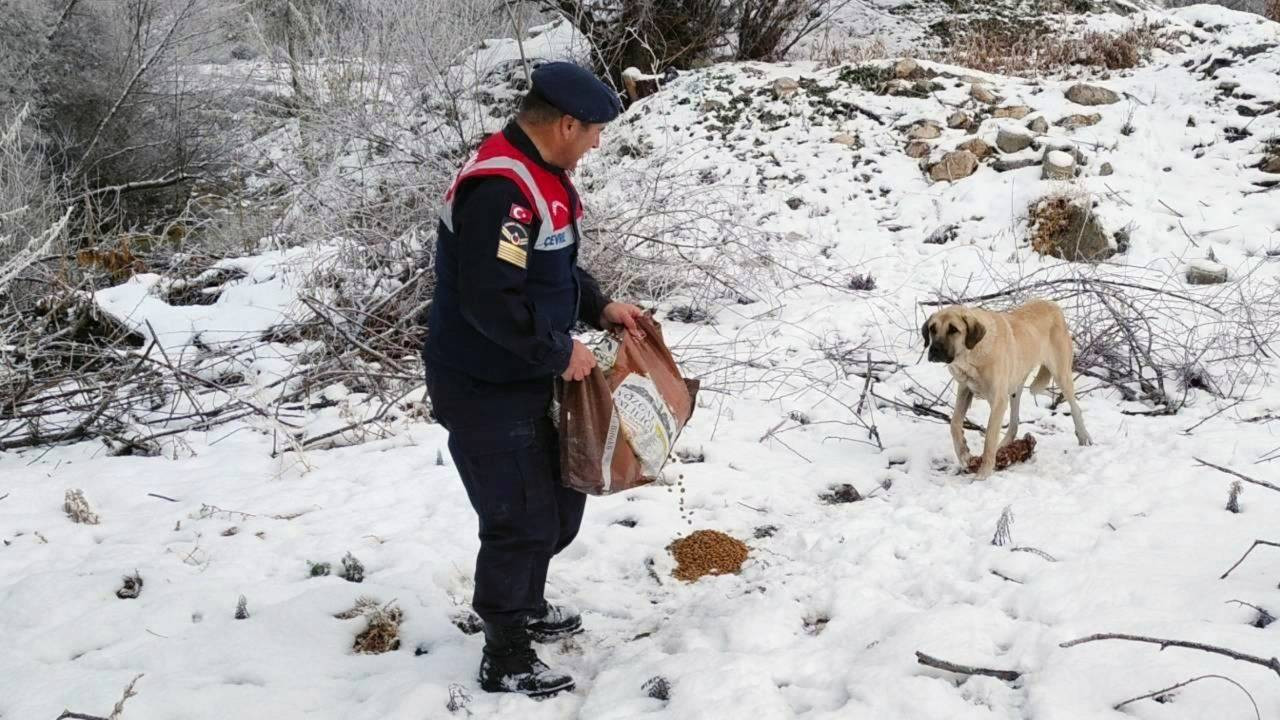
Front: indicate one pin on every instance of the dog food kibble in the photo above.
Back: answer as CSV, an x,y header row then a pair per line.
x,y
707,552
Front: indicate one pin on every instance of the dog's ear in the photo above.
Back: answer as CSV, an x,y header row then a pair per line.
x,y
924,330
974,331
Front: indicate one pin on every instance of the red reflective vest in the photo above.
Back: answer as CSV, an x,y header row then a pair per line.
x,y
548,198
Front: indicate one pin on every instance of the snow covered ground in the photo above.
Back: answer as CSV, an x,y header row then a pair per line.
x,y
826,617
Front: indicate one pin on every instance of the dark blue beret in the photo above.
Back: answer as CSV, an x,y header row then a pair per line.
x,y
576,91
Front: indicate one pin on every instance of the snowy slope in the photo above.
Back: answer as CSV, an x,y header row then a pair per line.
x,y
826,617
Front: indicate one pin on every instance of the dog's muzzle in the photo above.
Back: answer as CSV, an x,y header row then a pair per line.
x,y
937,353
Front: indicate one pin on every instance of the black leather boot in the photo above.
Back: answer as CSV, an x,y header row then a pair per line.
x,y
553,623
510,664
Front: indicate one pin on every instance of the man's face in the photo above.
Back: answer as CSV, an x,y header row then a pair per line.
x,y
577,139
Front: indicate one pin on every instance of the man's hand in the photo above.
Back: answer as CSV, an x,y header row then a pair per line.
x,y
624,314
580,363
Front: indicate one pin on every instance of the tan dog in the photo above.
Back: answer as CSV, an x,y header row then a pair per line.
x,y
991,354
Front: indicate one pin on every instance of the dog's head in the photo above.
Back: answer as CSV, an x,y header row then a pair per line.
x,y
951,332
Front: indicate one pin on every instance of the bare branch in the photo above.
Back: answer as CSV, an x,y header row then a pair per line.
x,y
1035,551
1242,476
160,48
115,712
1255,544
1271,663
1184,683
1006,675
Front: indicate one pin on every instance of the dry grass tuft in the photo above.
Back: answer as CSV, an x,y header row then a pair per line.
x,y
382,631
77,508
1064,226
831,54
1050,220
1003,49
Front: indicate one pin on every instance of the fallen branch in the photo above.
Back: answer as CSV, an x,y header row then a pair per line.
x,y
115,712
867,113
304,444
1035,551
1255,544
923,410
1041,284
1006,578
182,387
1242,476
1006,675
1184,683
1272,663
81,428
1175,212
153,184
1263,616
769,433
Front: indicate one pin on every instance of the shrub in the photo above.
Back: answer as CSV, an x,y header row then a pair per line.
x,y
1001,48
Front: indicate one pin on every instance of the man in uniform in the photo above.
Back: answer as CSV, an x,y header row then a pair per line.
x,y
509,291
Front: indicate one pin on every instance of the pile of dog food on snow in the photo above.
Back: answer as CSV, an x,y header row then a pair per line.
x,y
707,552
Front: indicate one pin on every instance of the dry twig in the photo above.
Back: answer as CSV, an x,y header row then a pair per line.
x,y
1006,675
1184,683
1255,544
1271,663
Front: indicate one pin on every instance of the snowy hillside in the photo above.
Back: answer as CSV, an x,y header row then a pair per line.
x,y
821,208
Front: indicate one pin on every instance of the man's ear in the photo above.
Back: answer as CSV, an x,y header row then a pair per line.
x,y
973,332
924,330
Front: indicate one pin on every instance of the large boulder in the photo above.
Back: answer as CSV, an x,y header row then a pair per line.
x,y
1077,121
1007,164
1012,141
918,149
908,69
977,146
1066,230
983,94
1058,165
925,130
954,166
899,88
1206,272
1082,94
785,87
1015,112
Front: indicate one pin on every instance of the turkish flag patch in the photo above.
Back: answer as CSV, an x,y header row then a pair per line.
x,y
521,214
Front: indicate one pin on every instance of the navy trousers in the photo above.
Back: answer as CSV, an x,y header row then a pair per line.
x,y
511,472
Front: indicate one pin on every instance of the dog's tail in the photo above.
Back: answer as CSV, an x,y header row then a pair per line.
x,y
1041,380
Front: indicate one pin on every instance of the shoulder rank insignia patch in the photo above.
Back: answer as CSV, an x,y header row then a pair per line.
x,y
513,242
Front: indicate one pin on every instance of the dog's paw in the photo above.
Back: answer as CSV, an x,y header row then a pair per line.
x,y
1084,439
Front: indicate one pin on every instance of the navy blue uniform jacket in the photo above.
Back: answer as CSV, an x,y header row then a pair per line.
x,y
498,334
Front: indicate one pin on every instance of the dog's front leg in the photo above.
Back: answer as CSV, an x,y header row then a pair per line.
x,y
964,396
999,405
1012,433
